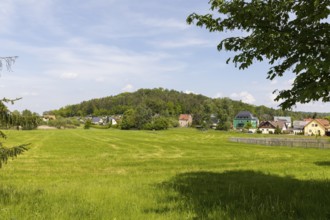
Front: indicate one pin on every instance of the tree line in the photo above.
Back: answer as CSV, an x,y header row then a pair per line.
x,y
156,108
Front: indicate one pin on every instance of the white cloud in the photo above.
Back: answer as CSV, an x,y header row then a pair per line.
x,y
6,11
290,81
313,107
29,94
95,61
218,95
244,96
163,23
273,82
69,75
128,88
183,43
100,79
272,102
189,92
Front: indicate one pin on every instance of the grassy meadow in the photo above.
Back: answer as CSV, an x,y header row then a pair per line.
x,y
174,174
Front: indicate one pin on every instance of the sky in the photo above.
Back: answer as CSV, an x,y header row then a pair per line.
x,y
73,51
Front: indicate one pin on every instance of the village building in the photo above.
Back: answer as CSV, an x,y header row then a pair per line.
x,y
285,119
269,127
316,127
113,121
103,120
298,127
185,120
243,118
97,120
47,118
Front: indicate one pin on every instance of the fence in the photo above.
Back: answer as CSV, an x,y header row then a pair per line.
x,y
294,142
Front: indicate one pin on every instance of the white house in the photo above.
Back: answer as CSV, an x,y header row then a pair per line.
x,y
286,120
269,127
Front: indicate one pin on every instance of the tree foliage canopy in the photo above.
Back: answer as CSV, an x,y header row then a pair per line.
x,y
293,35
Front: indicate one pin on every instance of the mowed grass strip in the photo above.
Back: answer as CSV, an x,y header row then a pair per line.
x,y
174,174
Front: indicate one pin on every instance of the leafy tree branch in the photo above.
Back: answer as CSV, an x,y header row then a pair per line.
x,y
291,35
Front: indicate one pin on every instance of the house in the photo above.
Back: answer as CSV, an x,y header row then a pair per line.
x,y
214,121
298,127
47,118
112,120
316,127
97,120
185,120
104,120
269,127
286,120
243,118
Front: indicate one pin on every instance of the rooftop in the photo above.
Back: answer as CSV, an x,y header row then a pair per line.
x,y
245,115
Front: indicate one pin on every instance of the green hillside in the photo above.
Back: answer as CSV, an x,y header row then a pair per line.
x,y
170,103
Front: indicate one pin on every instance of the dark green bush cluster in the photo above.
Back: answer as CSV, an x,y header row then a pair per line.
x,y
88,124
159,123
100,126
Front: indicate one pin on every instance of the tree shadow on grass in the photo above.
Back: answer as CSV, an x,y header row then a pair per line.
x,y
322,163
247,195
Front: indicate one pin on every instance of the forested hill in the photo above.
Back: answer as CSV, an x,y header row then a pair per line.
x,y
169,103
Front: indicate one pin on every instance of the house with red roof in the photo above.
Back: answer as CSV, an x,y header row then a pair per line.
x,y
185,120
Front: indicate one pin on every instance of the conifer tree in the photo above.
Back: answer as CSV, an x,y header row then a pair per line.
x,y
6,120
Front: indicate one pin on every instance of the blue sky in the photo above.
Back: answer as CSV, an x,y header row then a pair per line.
x,y
71,51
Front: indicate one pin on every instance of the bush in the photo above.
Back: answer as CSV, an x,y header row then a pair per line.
x,y
172,122
88,124
224,126
148,126
277,130
117,126
159,123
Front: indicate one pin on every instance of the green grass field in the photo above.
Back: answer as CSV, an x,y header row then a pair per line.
x,y
174,174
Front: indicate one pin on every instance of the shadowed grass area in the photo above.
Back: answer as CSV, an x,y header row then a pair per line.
x,y
174,174
248,195
323,163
